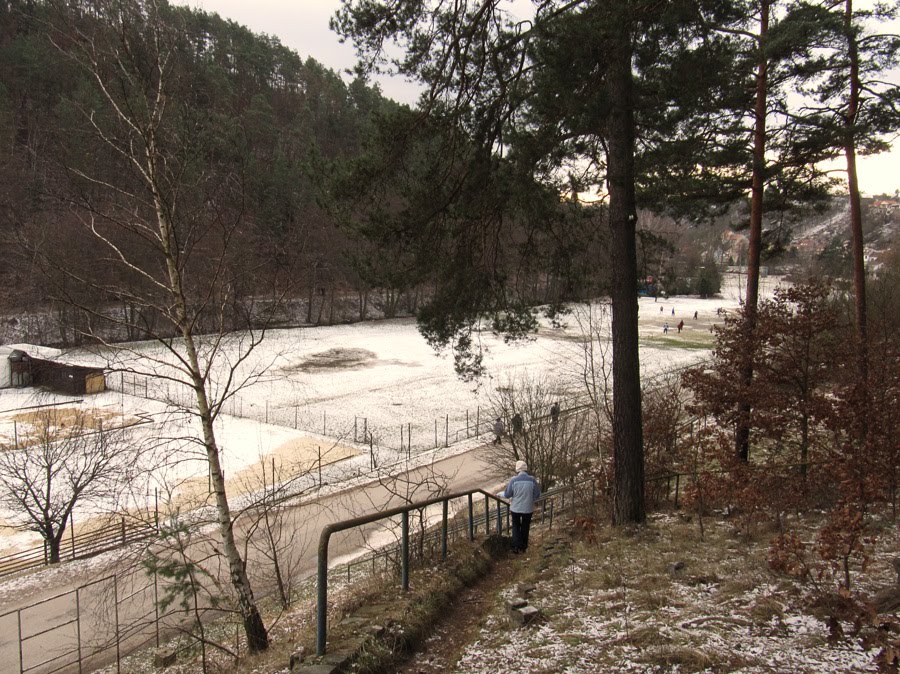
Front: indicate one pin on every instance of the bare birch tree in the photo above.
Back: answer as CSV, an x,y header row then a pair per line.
x,y
160,198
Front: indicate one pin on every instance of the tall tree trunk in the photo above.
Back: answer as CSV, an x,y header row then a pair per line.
x,y
628,449
856,233
254,628
742,427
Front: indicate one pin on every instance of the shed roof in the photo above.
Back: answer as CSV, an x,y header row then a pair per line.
x,y
33,350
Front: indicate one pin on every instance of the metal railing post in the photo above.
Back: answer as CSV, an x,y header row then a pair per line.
x,y
403,511
404,547
21,654
499,520
487,516
118,634
444,529
78,624
322,593
471,519
156,605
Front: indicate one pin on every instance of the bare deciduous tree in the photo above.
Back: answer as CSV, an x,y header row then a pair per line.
x,y
160,198
66,459
555,448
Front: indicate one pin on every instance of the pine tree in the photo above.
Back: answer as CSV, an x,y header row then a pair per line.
x,y
580,97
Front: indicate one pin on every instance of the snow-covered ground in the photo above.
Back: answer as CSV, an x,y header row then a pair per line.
x,y
321,388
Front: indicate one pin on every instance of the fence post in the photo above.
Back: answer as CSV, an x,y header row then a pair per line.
x,y
404,573
471,519
487,517
499,519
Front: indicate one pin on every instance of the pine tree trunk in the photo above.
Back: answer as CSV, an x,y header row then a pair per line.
x,y
742,427
628,450
856,233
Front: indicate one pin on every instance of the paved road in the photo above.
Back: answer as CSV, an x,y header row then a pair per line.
x,y
89,619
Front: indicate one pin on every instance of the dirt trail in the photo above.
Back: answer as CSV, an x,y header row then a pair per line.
x,y
464,620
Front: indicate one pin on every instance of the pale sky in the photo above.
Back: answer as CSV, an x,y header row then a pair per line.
x,y
302,25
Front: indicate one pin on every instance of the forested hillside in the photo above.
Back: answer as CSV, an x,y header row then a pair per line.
x,y
252,134
299,200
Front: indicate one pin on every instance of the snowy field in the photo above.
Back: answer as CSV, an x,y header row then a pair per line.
x,y
321,388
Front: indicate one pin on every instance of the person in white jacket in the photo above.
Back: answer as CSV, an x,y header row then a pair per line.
x,y
522,491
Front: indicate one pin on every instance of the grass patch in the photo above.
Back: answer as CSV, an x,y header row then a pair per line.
x,y
677,342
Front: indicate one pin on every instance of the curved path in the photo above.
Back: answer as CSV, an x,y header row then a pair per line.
x,y
136,599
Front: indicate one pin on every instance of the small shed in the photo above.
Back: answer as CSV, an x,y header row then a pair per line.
x,y
31,365
66,377
15,366
5,367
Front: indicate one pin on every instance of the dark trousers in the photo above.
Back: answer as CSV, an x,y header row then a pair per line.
x,y
521,524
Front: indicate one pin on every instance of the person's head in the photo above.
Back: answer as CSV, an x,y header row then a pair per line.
x,y
521,466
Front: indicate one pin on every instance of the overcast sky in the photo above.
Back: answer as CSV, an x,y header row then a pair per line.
x,y
302,25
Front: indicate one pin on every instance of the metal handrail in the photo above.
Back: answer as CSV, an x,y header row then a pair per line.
x,y
403,511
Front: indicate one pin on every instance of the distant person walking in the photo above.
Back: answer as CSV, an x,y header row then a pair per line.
x,y
666,328
517,425
499,428
660,309
522,491
554,414
680,326
673,311
695,315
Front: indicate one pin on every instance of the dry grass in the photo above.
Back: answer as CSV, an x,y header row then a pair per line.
x,y
655,599
660,598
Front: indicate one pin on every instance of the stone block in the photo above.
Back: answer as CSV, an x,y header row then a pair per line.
x,y
318,669
376,631
530,614
515,602
296,659
164,657
524,615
